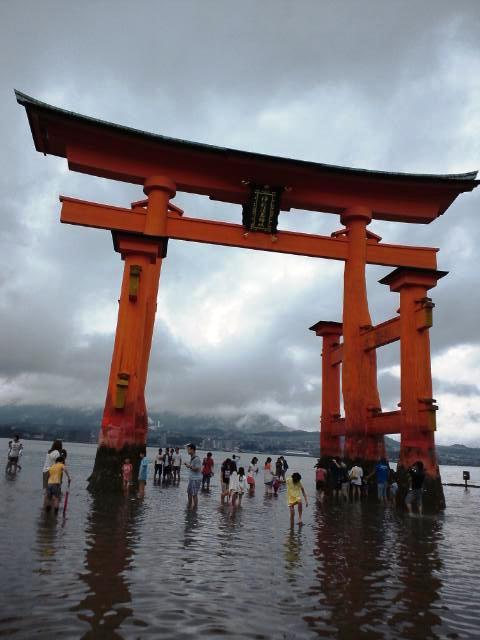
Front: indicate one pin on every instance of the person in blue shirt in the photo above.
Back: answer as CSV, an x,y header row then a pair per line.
x,y
142,473
382,471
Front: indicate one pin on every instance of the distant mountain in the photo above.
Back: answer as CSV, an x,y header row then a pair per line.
x,y
46,414
251,431
455,454
252,423
50,415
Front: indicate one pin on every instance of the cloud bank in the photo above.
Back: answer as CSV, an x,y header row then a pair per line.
x,y
372,84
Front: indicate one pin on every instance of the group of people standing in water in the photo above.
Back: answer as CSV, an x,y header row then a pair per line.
x,y
333,476
235,482
345,482
168,464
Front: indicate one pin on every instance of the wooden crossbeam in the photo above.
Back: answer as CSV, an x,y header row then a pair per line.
x,y
385,423
381,334
373,338
102,216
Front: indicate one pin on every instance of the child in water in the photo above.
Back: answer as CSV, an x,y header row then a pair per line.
x,y
54,486
276,485
251,473
295,490
233,487
127,471
242,484
142,474
320,480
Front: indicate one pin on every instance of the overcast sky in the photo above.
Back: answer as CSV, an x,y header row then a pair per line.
x,y
374,84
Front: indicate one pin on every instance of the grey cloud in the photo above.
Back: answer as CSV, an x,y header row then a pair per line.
x,y
469,390
375,84
389,388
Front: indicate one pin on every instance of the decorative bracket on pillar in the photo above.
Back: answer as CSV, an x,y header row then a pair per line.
x,y
430,402
425,314
123,380
371,237
134,283
373,411
132,244
142,204
428,418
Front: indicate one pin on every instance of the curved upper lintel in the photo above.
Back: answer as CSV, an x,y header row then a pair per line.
x,y
113,151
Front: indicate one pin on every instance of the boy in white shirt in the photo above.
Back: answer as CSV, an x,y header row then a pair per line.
x,y
356,478
176,464
158,466
14,452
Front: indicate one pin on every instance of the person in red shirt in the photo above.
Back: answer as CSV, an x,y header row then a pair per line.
x,y
207,471
127,471
320,480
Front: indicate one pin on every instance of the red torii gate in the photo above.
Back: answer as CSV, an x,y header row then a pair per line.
x,y
164,166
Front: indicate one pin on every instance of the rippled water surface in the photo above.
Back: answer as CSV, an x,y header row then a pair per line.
x,y
129,568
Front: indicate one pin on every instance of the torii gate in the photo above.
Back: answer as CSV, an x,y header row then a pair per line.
x,y
264,185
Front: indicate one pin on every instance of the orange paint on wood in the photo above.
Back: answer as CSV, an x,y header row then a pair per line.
x,y
381,334
384,423
101,216
417,404
359,367
163,166
329,441
111,151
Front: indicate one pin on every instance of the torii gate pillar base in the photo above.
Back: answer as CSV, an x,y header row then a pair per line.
x,y
433,498
106,476
422,449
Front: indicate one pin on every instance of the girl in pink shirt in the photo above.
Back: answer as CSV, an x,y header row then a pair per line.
x,y
127,471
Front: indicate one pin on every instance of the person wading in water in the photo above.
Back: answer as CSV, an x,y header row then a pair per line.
x,y
194,476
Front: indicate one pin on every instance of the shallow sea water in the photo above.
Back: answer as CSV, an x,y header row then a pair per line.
x,y
129,568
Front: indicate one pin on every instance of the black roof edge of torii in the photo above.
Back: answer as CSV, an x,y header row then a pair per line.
x,y
469,177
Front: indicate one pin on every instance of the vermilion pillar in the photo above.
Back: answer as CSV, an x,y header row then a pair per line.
x,y
124,423
417,405
359,370
329,440
124,420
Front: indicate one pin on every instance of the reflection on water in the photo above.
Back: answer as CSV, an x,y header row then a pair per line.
x,y
128,568
419,565
192,524
293,555
377,574
46,542
110,538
